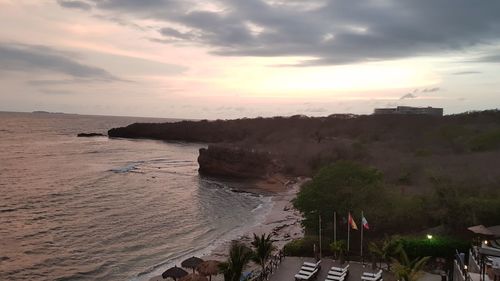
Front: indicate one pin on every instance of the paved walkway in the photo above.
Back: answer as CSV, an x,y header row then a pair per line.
x,y
291,265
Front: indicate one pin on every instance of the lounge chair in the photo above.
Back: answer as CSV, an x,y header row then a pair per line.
x,y
309,268
335,277
368,276
313,264
309,276
340,268
338,271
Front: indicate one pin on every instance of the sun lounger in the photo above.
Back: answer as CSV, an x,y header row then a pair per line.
x,y
313,264
340,268
305,272
337,273
375,277
309,276
370,274
335,277
309,268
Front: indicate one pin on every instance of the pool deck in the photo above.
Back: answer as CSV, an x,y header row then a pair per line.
x,y
291,265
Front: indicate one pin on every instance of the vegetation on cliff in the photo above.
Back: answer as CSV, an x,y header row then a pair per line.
x,y
412,151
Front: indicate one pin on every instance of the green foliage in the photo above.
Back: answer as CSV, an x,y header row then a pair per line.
x,y
386,249
406,269
263,248
458,206
438,246
239,256
485,141
338,248
303,247
341,187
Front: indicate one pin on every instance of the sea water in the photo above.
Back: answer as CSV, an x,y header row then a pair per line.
x,y
106,209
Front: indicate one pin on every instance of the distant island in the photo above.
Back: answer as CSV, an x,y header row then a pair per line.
x,y
46,112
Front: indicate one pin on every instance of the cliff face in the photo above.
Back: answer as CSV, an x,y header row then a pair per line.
x,y
234,162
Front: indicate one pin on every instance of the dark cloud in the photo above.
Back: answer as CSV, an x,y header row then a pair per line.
x,y
329,31
493,58
33,58
467,72
408,96
75,4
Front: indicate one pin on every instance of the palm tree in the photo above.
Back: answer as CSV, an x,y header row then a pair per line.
x,y
385,250
338,248
239,256
406,270
263,249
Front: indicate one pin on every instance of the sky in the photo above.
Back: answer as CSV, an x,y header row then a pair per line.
x,y
247,58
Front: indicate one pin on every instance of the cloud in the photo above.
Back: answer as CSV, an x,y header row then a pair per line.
x,y
34,58
408,96
431,90
56,92
467,72
491,58
73,4
329,32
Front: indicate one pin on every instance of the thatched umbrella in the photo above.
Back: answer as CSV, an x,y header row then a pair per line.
x,y
193,277
191,262
481,229
174,272
209,268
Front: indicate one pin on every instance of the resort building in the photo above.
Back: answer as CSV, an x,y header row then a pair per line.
x,y
435,111
483,260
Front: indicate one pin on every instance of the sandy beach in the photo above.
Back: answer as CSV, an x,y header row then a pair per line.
x,y
282,220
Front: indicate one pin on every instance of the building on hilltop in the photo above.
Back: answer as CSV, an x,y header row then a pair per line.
x,y
435,111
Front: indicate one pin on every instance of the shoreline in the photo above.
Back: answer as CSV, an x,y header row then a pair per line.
x,y
282,220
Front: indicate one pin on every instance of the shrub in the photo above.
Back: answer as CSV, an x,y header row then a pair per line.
x,y
485,141
303,247
437,246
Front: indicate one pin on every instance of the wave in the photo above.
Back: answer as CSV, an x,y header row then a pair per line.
x,y
261,211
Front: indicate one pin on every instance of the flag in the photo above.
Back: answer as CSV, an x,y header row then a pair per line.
x,y
365,223
352,222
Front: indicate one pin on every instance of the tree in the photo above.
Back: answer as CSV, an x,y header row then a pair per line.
x,y
406,270
263,248
342,187
338,248
239,256
385,250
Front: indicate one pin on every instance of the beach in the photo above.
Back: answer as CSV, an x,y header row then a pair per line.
x,y
281,220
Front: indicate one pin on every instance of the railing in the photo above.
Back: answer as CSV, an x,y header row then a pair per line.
x,y
461,268
270,268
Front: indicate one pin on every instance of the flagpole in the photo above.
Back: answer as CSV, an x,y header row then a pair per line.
x,y
362,226
319,236
335,227
348,231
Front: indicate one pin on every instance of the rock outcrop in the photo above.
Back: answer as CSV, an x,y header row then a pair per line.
x,y
88,135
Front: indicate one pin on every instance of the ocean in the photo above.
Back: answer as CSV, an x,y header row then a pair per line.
x,y
106,209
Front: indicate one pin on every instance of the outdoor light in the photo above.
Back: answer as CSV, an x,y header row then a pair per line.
x,y
485,242
429,236
465,267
